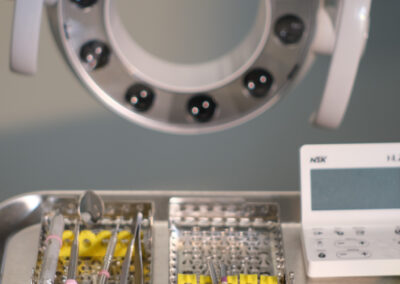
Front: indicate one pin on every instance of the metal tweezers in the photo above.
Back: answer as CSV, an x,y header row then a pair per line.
x,y
134,243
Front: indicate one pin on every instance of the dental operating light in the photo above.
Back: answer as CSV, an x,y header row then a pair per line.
x,y
212,95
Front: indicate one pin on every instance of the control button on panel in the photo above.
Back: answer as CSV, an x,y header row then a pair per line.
x,y
362,243
359,231
340,243
348,243
322,255
353,254
397,230
317,232
365,254
339,232
319,243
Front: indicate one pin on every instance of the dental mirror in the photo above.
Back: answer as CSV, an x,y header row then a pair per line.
x,y
91,207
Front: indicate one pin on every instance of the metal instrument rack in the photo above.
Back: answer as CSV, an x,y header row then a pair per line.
x,y
94,240
20,223
243,237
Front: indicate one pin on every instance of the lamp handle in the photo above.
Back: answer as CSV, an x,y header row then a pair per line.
x,y
351,37
25,36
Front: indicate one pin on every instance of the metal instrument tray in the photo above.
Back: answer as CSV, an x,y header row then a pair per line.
x,y
20,219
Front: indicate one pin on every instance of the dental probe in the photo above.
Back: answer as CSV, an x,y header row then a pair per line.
x,y
73,259
104,274
213,273
224,279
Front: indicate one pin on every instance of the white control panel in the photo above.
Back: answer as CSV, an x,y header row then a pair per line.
x,y
351,209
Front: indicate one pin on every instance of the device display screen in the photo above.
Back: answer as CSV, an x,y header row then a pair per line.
x,y
355,189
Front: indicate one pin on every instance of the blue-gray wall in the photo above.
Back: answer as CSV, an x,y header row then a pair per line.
x,y
53,135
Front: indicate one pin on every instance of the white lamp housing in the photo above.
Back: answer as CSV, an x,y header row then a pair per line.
x,y
209,96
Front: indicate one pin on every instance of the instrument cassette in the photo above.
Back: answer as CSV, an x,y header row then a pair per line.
x,y
225,241
210,241
94,241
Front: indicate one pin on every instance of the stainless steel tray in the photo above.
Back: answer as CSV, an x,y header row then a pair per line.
x,y
20,219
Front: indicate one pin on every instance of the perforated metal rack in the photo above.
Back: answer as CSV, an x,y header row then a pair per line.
x,y
94,239
244,237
